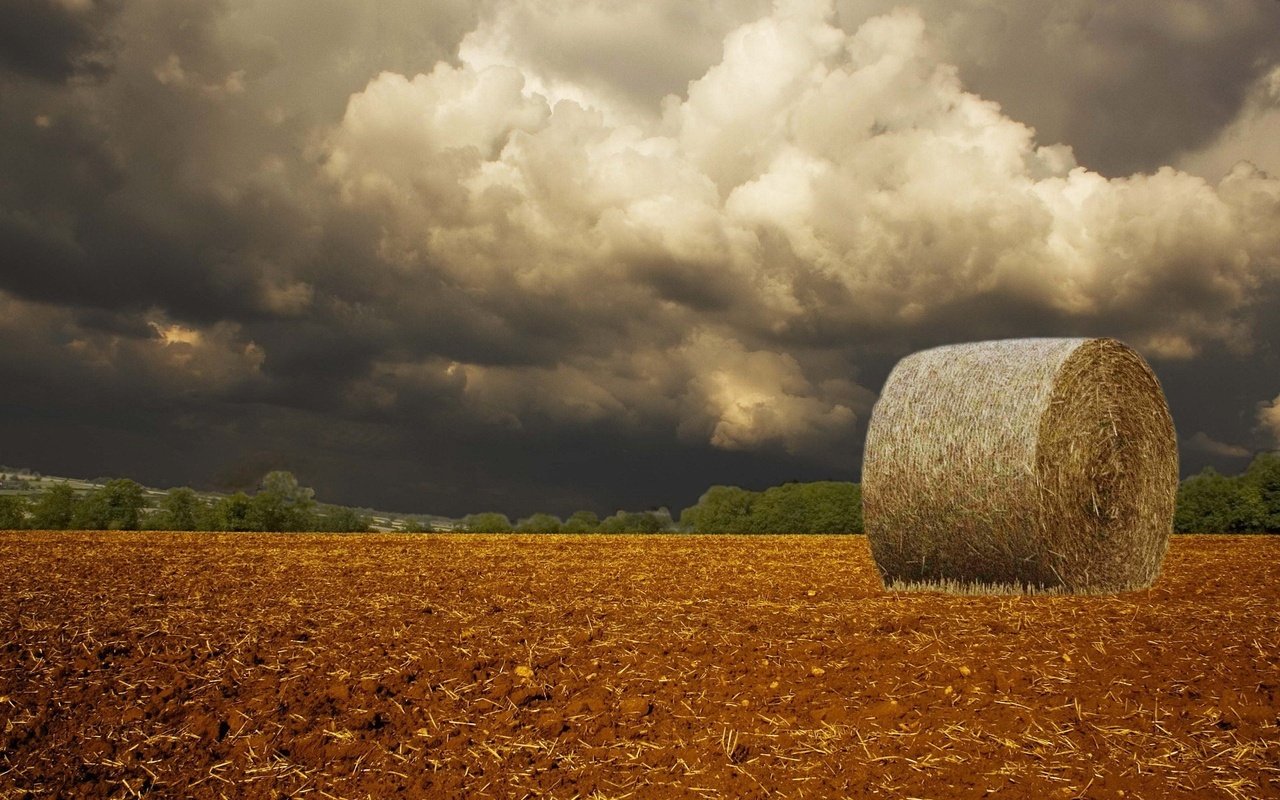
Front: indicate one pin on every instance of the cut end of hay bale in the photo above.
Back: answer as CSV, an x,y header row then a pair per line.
x,y
1032,465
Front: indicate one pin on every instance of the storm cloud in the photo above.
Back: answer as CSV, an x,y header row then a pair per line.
x,y
529,256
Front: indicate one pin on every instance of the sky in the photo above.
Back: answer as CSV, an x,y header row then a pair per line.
x,y
592,254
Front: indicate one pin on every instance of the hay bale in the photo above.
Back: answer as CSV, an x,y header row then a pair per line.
x,y
1021,465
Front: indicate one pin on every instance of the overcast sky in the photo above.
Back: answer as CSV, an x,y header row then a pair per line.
x,y
456,256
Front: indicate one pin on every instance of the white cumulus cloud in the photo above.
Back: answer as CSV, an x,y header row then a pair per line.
x,y
811,183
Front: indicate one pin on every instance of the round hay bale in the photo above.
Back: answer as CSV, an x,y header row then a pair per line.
x,y
1020,465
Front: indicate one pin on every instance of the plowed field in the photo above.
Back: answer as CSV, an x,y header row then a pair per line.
x,y
281,665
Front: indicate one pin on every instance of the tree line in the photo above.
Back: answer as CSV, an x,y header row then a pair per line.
x,y
280,504
818,507
1208,502
1211,502
658,521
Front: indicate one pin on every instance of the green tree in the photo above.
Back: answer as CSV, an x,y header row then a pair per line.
x,y
781,509
581,522
1214,503
637,522
283,505
115,506
721,509
90,513
342,519
180,510
486,522
662,521
413,525
1199,499
54,508
267,512
1263,476
539,523
234,513
615,523
816,507
13,512
855,515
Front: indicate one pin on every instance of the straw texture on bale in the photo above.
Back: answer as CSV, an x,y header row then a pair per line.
x,y
1023,464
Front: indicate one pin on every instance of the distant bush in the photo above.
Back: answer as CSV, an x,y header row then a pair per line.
x,y
13,512
54,508
116,506
234,513
539,523
1211,502
817,507
721,509
180,510
581,522
638,522
487,522
1263,479
282,504
340,519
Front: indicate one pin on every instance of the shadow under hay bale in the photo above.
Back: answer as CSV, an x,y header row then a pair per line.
x,y
1037,465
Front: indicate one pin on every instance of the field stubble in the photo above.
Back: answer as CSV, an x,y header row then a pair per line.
x,y
285,665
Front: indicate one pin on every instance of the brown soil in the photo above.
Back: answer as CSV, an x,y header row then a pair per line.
x,y
281,665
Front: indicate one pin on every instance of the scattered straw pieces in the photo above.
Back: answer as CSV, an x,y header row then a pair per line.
x,y
1168,693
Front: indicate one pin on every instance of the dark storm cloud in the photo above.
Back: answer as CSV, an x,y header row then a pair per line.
x,y
1129,86
520,256
55,40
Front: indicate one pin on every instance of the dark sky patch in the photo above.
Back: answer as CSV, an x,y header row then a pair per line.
x,y
451,257
55,41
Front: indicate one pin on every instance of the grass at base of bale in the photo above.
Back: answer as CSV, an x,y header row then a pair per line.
x,y
977,589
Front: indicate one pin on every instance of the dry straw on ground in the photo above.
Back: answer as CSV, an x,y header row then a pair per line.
x,y
1021,465
259,666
